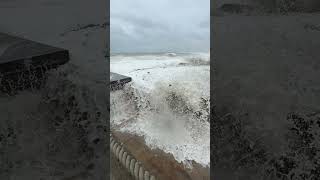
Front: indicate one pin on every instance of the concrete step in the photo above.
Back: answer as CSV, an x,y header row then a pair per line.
x,y
24,62
117,81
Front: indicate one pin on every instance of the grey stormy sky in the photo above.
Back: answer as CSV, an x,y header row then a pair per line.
x,y
160,25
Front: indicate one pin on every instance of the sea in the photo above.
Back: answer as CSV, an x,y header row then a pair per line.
x,y
167,102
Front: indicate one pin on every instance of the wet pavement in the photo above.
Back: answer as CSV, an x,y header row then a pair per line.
x,y
158,163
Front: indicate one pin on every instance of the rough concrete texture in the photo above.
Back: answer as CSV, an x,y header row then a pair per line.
x,y
267,97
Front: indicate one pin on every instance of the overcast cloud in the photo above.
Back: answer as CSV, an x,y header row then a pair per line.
x,y
160,25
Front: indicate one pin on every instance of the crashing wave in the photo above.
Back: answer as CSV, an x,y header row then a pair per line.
x,y
168,103
62,124
171,54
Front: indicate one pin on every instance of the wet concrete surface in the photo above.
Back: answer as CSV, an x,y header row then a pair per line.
x,y
159,163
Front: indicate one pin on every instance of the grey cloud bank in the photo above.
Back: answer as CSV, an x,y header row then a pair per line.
x,y
160,26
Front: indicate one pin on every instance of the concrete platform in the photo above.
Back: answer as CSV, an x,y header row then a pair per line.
x,y
22,61
117,80
17,53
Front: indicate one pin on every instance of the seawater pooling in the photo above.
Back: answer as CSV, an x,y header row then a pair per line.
x,y
167,102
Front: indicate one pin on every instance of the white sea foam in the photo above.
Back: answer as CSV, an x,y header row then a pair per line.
x,y
167,102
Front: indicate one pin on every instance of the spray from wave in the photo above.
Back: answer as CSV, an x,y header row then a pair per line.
x,y
167,103
56,131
